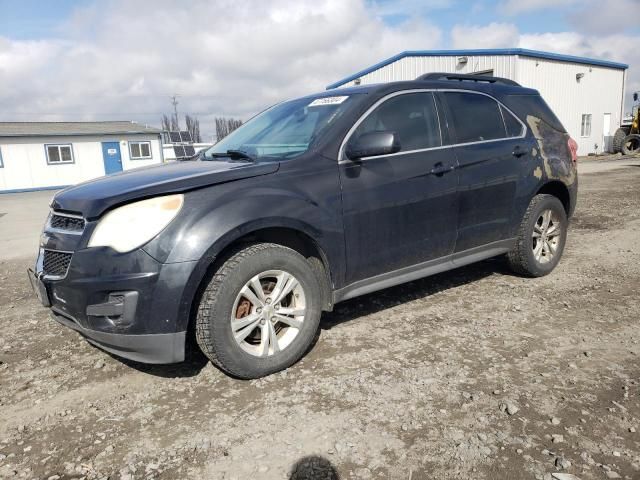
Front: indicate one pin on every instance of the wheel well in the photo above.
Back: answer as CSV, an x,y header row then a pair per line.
x,y
558,190
287,237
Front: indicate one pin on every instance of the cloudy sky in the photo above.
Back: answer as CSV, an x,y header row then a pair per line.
x,y
123,59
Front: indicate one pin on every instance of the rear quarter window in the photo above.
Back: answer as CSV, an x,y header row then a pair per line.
x,y
534,106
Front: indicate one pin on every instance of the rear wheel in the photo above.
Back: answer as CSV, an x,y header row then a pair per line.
x,y
618,139
260,312
631,144
541,237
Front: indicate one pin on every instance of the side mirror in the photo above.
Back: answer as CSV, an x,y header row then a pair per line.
x,y
372,144
635,97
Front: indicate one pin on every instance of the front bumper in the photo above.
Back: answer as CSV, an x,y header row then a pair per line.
x,y
150,348
127,304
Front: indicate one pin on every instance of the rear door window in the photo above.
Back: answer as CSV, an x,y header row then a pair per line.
x,y
412,116
476,117
513,126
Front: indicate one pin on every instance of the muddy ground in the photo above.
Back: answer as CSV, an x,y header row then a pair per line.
x,y
473,374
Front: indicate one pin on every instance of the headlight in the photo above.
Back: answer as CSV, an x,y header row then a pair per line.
x,y
127,227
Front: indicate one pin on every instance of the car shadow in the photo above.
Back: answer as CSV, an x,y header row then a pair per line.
x,y
422,288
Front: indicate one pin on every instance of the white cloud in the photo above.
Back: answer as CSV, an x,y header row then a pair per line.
x,y
596,17
517,7
494,35
124,59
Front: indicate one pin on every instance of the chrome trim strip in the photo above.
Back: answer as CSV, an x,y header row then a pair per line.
x,y
49,228
343,159
63,214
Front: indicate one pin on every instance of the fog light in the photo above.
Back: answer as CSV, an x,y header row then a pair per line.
x,y
119,309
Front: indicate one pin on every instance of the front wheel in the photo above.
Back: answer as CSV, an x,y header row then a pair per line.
x,y
260,312
541,237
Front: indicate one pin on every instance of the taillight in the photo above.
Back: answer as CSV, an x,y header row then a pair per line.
x,y
573,148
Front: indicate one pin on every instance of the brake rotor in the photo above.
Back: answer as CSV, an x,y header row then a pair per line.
x,y
244,309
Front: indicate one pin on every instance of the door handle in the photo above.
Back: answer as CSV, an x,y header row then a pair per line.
x,y
440,169
518,151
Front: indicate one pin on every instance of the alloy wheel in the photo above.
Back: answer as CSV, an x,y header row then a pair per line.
x,y
268,313
546,236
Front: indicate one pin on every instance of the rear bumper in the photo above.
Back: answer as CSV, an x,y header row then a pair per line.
x,y
149,348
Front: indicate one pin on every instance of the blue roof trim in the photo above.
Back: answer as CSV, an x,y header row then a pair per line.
x,y
491,51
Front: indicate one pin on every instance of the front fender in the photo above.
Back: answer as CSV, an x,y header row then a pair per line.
x,y
213,218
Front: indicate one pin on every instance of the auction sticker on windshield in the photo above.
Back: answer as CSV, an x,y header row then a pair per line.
x,y
328,101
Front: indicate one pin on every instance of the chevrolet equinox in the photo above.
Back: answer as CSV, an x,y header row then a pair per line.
x,y
312,202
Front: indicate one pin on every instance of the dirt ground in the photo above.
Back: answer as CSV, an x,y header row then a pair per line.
x,y
471,374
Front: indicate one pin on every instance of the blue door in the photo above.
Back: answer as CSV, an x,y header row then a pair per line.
x,y
111,157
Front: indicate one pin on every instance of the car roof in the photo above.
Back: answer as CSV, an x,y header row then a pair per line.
x,y
495,88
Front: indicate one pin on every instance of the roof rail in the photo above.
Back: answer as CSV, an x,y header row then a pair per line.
x,y
460,77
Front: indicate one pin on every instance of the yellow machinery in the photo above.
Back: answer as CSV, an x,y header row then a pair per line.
x,y
627,137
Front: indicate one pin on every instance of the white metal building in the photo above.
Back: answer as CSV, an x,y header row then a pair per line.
x,y
586,94
51,155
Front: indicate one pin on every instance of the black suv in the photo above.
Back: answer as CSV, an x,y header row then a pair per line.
x,y
311,202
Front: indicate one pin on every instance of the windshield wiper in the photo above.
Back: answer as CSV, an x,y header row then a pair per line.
x,y
239,154
235,154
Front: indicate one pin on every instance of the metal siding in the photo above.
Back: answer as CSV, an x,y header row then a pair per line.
x,y
408,68
597,93
523,52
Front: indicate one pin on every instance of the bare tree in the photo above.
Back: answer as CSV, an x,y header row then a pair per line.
x,y
175,126
224,126
193,126
166,124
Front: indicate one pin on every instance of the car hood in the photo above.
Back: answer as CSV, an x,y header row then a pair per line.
x,y
93,197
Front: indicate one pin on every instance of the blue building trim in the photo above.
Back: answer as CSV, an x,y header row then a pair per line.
x,y
34,189
491,51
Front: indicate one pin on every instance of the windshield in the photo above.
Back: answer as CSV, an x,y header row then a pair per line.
x,y
284,130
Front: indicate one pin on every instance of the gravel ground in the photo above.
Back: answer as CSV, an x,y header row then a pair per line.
x,y
474,373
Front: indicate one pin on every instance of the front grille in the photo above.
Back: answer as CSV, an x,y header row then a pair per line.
x,y
55,263
62,222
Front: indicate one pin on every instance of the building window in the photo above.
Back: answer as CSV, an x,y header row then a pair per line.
x,y
139,150
585,128
59,154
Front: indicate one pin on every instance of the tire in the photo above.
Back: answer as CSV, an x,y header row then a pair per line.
x,y
618,139
523,258
631,145
224,303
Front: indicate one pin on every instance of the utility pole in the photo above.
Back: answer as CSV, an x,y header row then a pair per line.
x,y
174,102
